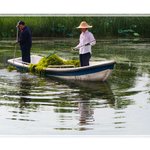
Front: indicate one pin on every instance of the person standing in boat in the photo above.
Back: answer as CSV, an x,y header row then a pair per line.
x,y
86,41
25,41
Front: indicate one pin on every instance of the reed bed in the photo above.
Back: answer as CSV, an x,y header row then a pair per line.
x,y
65,26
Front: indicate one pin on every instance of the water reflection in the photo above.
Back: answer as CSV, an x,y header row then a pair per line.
x,y
86,112
125,74
119,119
87,96
24,90
99,93
98,108
22,110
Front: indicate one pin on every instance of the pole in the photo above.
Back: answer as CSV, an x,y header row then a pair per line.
x,y
83,45
16,43
87,43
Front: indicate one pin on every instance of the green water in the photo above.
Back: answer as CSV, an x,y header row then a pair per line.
x,y
33,105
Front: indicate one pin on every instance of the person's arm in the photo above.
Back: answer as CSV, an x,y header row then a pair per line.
x,y
92,40
93,43
78,46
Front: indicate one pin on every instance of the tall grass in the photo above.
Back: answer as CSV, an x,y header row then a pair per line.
x,y
65,26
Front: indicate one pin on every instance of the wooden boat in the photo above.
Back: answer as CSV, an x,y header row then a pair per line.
x,y
97,71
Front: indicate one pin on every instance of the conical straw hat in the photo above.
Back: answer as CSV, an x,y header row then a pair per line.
x,y
84,24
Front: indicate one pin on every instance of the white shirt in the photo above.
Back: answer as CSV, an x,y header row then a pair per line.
x,y
85,37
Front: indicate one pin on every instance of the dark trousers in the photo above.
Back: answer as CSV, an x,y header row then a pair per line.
x,y
26,55
84,59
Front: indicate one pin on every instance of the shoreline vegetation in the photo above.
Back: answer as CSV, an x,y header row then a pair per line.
x,y
65,26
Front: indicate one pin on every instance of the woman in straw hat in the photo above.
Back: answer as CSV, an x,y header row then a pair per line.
x,y
86,40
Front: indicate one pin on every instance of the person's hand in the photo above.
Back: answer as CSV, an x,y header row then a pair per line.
x,y
87,44
74,48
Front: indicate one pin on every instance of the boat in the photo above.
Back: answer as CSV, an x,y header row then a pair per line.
x,y
96,71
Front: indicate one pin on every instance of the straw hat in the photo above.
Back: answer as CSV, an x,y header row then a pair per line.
x,y
84,24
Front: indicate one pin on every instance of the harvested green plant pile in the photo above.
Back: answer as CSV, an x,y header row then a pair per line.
x,y
51,60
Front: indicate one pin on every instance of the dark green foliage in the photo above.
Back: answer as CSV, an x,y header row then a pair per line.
x,y
65,26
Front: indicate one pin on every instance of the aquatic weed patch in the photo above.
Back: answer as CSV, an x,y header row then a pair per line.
x,y
51,61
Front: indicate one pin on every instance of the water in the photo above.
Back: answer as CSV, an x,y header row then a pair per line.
x,y
33,105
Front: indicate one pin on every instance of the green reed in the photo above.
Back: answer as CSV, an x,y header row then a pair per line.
x,y
65,26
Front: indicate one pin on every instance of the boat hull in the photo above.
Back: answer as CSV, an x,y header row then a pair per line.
x,y
96,72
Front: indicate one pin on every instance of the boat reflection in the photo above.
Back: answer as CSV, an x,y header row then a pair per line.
x,y
91,91
89,95
77,101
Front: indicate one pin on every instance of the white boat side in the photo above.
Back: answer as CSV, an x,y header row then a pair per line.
x,y
97,71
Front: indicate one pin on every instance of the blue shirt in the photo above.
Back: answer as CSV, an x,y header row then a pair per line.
x,y
25,38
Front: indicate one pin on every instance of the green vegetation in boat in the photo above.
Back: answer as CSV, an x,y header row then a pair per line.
x,y
51,62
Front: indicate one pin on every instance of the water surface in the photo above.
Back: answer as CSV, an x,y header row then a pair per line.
x,y
33,105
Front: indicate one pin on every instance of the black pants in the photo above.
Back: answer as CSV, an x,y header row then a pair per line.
x,y
84,59
26,55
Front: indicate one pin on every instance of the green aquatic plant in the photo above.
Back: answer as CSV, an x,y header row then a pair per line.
x,y
11,68
50,61
53,60
72,62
